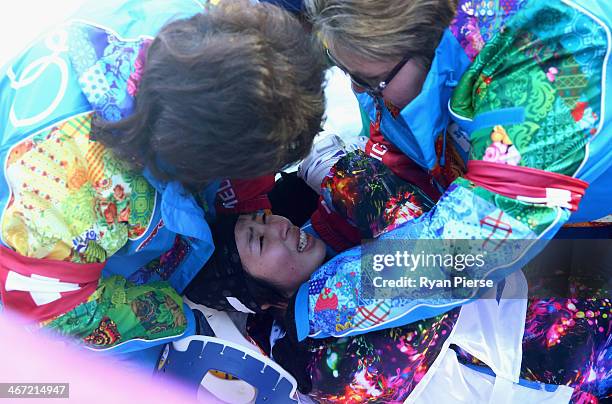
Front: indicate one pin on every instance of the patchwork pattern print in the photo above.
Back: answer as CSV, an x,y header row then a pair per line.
x,y
71,200
66,197
120,311
542,60
163,268
108,68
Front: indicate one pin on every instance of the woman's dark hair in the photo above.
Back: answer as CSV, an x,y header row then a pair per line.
x,y
265,292
224,276
233,92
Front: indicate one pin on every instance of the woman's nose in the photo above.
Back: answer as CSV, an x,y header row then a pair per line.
x,y
278,226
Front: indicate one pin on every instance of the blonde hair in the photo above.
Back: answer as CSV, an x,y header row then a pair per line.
x,y
383,29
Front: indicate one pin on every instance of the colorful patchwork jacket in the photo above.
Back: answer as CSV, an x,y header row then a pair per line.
x,y
522,88
64,196
75,222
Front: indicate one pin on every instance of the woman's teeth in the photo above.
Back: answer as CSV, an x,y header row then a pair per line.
x,y
303,242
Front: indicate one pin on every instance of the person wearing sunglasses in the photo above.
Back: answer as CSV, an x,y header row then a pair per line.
x,y
503,105
406,58
368,86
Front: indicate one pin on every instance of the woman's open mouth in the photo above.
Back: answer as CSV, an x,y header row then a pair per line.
x,y
303,241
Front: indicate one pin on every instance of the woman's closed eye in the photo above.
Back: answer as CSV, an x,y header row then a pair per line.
x,y
250,241
253,243
261,238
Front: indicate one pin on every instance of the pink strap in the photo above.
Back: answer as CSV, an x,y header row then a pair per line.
x,y
527,184
41,289
333,229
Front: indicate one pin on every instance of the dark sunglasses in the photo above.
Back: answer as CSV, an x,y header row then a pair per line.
x,y
374,91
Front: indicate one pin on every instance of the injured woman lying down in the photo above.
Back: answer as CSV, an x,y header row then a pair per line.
x,y
261,260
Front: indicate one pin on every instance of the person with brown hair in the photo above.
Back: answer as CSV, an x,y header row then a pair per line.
x,y
118,128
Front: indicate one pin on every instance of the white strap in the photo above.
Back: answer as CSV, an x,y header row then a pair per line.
x,y
238,305
42,289
501,391
493,331
221,324
555,197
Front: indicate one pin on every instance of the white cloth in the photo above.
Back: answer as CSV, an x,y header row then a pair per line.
x,y
491,331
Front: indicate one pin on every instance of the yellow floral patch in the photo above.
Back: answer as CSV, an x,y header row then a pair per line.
x,y
70,198
499,134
